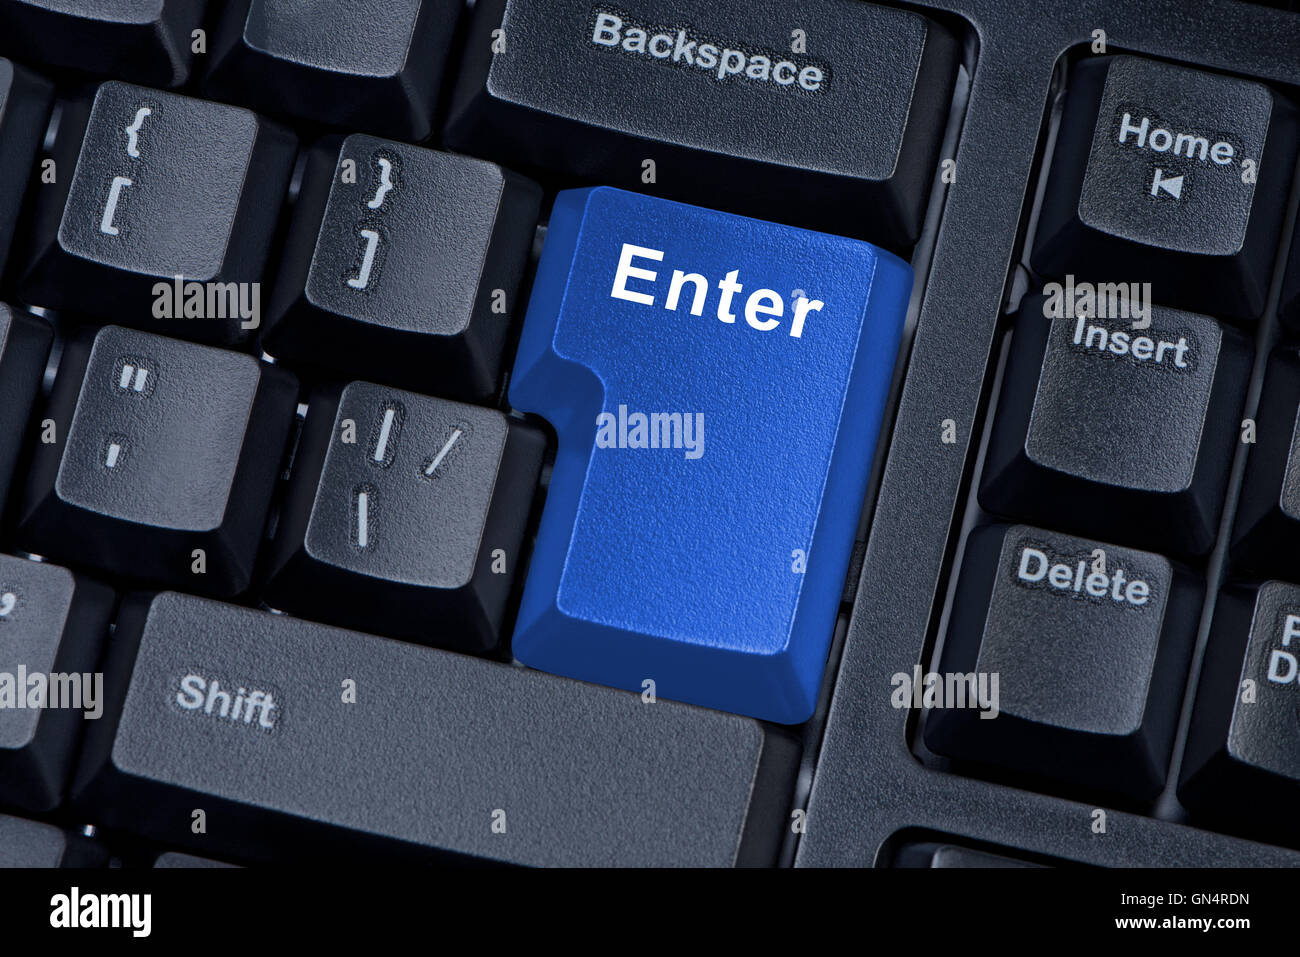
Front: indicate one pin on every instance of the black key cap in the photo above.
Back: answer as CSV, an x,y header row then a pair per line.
x,y
29,843
24,111
1266,535
1125,433
401,266
439,751
1172,176
165,448
51,624
413,528
150,41
24,347
715,97
173,859
1243,749
933,854
163,186
1090,651
370,66
26,843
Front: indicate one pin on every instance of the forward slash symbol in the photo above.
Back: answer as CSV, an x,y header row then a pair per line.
x,y
442,453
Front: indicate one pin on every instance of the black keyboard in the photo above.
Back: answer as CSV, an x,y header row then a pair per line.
x,y
663,433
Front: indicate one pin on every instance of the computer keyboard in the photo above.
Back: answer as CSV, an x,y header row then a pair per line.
x,y
663,433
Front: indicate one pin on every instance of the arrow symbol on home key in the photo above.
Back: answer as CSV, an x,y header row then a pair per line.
x,y
1173,185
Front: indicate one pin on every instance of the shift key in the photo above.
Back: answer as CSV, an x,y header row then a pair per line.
x,y
303,740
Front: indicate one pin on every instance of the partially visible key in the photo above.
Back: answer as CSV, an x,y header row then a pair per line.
x,y
149,41
24,347
164,459
1064,660
24,110
1104,429
371,66
161,215
175,859
1172,176
26,843
51,623
717,386
240,712
1243,749
405,515
709,104
401,266
933,854
1266,536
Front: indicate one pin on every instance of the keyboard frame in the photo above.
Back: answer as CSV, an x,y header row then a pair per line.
x,y
866,782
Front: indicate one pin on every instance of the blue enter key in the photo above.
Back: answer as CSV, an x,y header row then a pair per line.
x,y
717,385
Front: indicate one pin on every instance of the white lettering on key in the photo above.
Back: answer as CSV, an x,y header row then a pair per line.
x,y
110,208
763,309
362,279
363,519
1193,146
141,376
1035,566
114,450
133,132
627,271
7,602
1173,185
385,183
203,694
385,428
442,453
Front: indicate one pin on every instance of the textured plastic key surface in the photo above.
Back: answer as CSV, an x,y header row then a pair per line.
x,y
1243,750
162,447
144,40
370,66
1090,651
436,749
1122,433
412,529
405,273
26,843
159,186
844,136
711,564
1172,176
51,622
